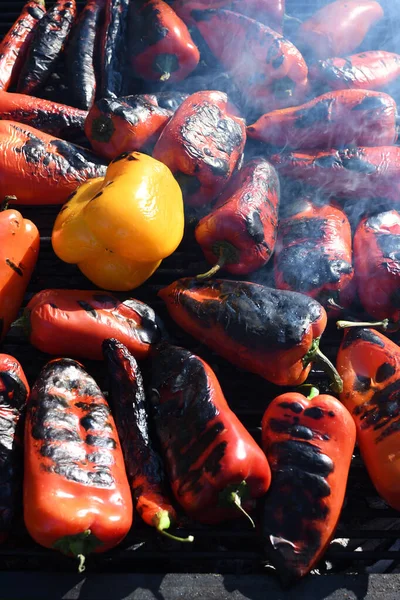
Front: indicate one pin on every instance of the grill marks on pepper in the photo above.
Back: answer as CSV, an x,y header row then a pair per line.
x,y
14,267
381,411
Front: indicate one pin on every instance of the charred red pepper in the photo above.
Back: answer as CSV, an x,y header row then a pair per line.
x,y
80,55
354,172
114,49
339,27
268,68
161,48
370,70
270,332
143,464
369,364
38,168
47,43
76,322
214,464
313,254
202,144
76,494
239,233
15,44
309,444
14,391
125,124
333,120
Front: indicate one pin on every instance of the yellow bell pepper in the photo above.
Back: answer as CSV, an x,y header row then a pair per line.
x,y
118,228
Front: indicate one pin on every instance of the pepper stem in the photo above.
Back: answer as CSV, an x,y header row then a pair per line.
x,y
313,393
326,365
6,202
226,253
162,522
166,64
78,545
345,324
237,501
81,558
233,495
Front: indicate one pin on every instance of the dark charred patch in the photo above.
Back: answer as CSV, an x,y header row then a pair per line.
x,y
383,372
101,459
212,463
382,410
361,383
170,101
274,52
354,161
101,442
314,413
318,113
115,67
331,413
370,103
294,430
295,407
97,418
36,12
278,61
97,195
361,334
147,331
328,161
302,455
90,478
254,227
14,267
120,157
88,308
145,26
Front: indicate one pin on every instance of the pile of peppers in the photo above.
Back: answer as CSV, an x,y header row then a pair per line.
x,y
266,144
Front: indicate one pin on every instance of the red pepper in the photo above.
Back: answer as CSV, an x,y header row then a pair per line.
x,y
272,333
309,444
333,120
369,364
75,323
370,70
15,44
313,254
213,462
202,144
161,48
239,233
14,391
76,494
339,27
268,68
143,464
353,172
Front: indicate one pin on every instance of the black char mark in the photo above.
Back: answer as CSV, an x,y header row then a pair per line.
x,y
115,49
318,113
359,334
382,411
295,407
148,331
88,308
254,227
183,420
145,26
383,372
389,243
14,267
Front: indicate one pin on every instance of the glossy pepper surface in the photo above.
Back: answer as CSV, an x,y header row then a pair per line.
x,y
268,68
309,444
369,70
144,466
202,144
339,27
15,44
19,243
76,322
213,463
270,332
76,494
313,253
14,391
333,120
369,364
117,229
38,168
239,233
161,47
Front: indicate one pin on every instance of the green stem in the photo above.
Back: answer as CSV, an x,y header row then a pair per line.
x,y
233,495
162,522
313,391
326,365
345,324
226,253
78,545
236,501
81,558
166,64
24,323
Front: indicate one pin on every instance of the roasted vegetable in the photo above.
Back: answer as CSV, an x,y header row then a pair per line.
x,y
239,233
309,444
202,144
313,254
15,44
370,70
339,27
268,69
161,48
369,364
80,67
114,49
47,43
213,462
40,169
76,322
76,493
333,120
14,391
273,333
126,124
19,243
354,172
143,464
139,202
49,117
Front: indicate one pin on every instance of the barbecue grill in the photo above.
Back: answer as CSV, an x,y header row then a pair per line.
x,y
225,561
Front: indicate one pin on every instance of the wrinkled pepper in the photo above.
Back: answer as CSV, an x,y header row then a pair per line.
x,y
117,229
215,467
309,442
76,494
202,144
76,322
369,364
272,333
19,243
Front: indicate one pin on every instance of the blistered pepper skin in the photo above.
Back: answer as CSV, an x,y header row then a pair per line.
x,y
309,444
